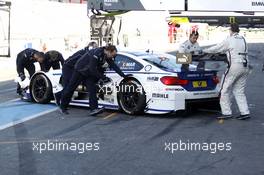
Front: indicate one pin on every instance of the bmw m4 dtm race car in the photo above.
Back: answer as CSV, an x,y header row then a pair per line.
x,y
158,85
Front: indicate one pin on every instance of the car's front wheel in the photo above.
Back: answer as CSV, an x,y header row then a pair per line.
x,y
131,97
41,89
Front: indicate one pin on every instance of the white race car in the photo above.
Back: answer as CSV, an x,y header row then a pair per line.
x,y
157,85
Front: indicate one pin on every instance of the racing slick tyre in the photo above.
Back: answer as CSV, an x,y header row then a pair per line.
x,y
41,89
131,97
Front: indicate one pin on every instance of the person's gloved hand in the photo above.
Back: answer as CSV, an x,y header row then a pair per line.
x,y
22,76
128,75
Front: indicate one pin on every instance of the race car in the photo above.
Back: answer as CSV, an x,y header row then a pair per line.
x,y
157,85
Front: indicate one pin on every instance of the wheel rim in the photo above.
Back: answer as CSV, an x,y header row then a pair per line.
x,y
39,88
130,99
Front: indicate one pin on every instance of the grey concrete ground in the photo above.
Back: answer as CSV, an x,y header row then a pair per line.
x,y
134,145
7,90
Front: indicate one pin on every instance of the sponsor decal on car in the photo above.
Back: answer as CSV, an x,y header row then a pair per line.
x,y
174,89
156,95
183,58
109,100
127,65
152,78
205,93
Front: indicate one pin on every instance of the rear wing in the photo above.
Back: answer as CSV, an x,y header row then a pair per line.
x,y
210,57
187,58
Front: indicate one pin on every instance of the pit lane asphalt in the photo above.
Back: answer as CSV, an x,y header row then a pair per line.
x,y
136,144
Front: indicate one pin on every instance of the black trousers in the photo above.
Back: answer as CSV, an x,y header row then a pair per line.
x,y
76,79
67,72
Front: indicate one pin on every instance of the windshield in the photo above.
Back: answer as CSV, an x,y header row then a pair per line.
x,y
165,61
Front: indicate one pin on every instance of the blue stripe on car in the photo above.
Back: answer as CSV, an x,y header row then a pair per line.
x,y
116,106
127,72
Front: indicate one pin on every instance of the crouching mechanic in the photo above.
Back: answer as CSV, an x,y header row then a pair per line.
x,y
53,59
235,77
90,69
190,46
25,60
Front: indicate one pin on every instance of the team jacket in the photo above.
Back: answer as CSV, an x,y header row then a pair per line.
x,y
24,59
71,61
188,47
52,58
94,63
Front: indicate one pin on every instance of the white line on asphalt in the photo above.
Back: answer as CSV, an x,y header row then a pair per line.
x,y
26,119
16,99
9,101
8,90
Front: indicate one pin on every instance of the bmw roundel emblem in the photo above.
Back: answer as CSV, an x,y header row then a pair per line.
x,y
148,68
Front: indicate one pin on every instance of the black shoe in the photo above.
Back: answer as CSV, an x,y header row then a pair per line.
x,y
224,117
57,97
23,96
64,111
243,117
19,93
95,112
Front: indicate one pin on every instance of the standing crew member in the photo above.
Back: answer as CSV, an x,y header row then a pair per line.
x,y
190,46
90,68
25,60
236,75
68,68
53,59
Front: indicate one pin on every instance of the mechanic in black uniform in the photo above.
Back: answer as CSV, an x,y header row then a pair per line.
x,y
92,45
90,68
25,60
68,68
53,59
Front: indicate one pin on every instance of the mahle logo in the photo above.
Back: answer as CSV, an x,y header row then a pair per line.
x,y
258,3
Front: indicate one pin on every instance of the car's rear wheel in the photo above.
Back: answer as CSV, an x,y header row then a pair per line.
x,y
41,89
131,97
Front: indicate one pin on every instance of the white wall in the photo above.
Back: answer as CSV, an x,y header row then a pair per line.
x,y
48,22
